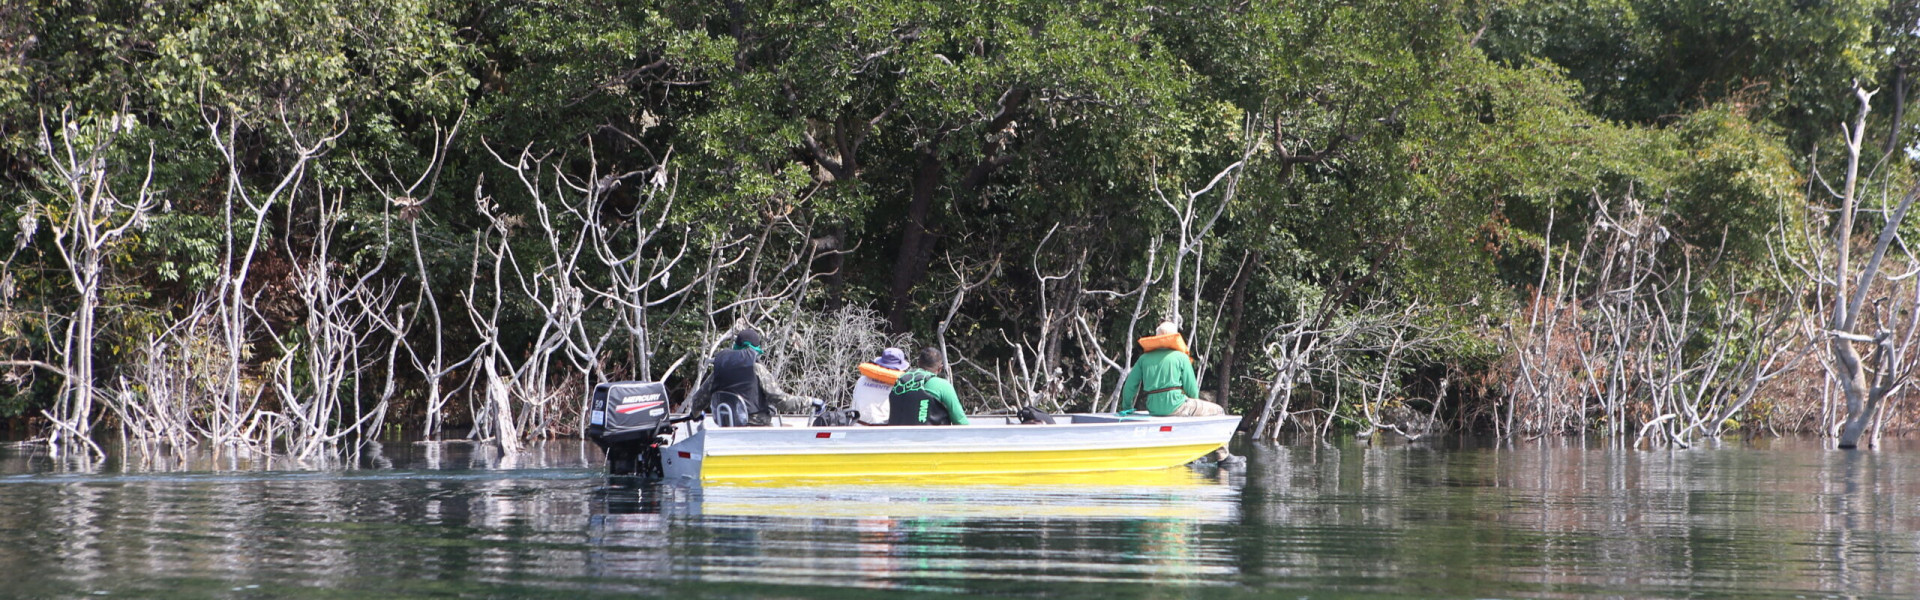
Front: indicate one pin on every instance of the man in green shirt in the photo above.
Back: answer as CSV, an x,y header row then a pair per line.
x,y
922,397
1163,380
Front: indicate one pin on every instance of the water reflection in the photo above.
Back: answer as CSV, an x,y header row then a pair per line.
x,y
1560,518
912,535
1564,518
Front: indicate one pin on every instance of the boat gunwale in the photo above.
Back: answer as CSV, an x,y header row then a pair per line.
x,y
969,427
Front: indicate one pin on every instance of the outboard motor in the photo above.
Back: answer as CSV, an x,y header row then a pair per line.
x,y
628,420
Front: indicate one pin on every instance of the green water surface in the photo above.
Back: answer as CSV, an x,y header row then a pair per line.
x,y
1446,519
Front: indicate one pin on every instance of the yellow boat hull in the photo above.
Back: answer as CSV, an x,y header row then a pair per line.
x,y
1173,493
817,466
842,453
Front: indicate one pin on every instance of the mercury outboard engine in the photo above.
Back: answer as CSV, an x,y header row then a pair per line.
x,y
629,421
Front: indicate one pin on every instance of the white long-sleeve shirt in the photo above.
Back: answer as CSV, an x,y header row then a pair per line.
x,y
870,398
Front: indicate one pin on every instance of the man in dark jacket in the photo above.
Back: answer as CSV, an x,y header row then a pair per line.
x,y
739,381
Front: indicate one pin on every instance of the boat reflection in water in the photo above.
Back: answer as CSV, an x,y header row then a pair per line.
x,y
956,533
1176,493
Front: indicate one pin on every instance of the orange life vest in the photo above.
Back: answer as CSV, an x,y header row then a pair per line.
x,y
879,373
1171,341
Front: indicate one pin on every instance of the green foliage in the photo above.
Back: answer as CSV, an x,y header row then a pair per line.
x,y
1649,61
1402,153
1733,184
184,249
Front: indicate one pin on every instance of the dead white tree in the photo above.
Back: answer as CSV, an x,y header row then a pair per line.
x,y
1090,339
1619,324
322,405
636,267
231,418
967,277
1538,380
1308,351
1628,324
1376,357
723,253
767,293
176,373
964,285
1034,376
550,280
1293,350
576,218
88,217
819,349
649,262
493,417
1195,225
1853,321
411,199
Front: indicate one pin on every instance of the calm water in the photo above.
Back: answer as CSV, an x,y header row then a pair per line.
x,y
1769,519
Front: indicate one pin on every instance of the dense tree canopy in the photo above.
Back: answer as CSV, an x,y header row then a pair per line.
x,y
1032,183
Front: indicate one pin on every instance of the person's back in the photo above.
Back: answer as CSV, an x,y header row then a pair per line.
x,y
741,383
1160,382
871,393
1163,381
734,378
921,397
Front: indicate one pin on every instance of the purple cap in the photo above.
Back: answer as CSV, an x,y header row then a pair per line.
x,y
892,358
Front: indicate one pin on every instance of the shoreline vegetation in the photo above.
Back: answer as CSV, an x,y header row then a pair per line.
x,y
284,227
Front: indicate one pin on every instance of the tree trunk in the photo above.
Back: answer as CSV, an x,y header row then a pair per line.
x,y
1236,305
434,401
1863,393
1899,108
502,406
916,242
1861,397
80,379
836,264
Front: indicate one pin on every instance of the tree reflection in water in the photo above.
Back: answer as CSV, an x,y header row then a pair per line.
x,y
1558,518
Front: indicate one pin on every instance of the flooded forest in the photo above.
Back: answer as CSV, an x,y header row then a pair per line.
x,y
286,227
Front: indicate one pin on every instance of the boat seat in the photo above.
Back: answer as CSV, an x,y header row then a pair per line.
x,y
729,411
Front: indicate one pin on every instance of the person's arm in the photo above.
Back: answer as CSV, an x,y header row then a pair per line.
x,y
943,390
772,395
1189,383
702,394
1128,389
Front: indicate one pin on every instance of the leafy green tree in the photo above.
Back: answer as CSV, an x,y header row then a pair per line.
x,y
1653,61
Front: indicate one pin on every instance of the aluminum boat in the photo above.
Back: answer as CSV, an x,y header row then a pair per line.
x,y
1078,443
